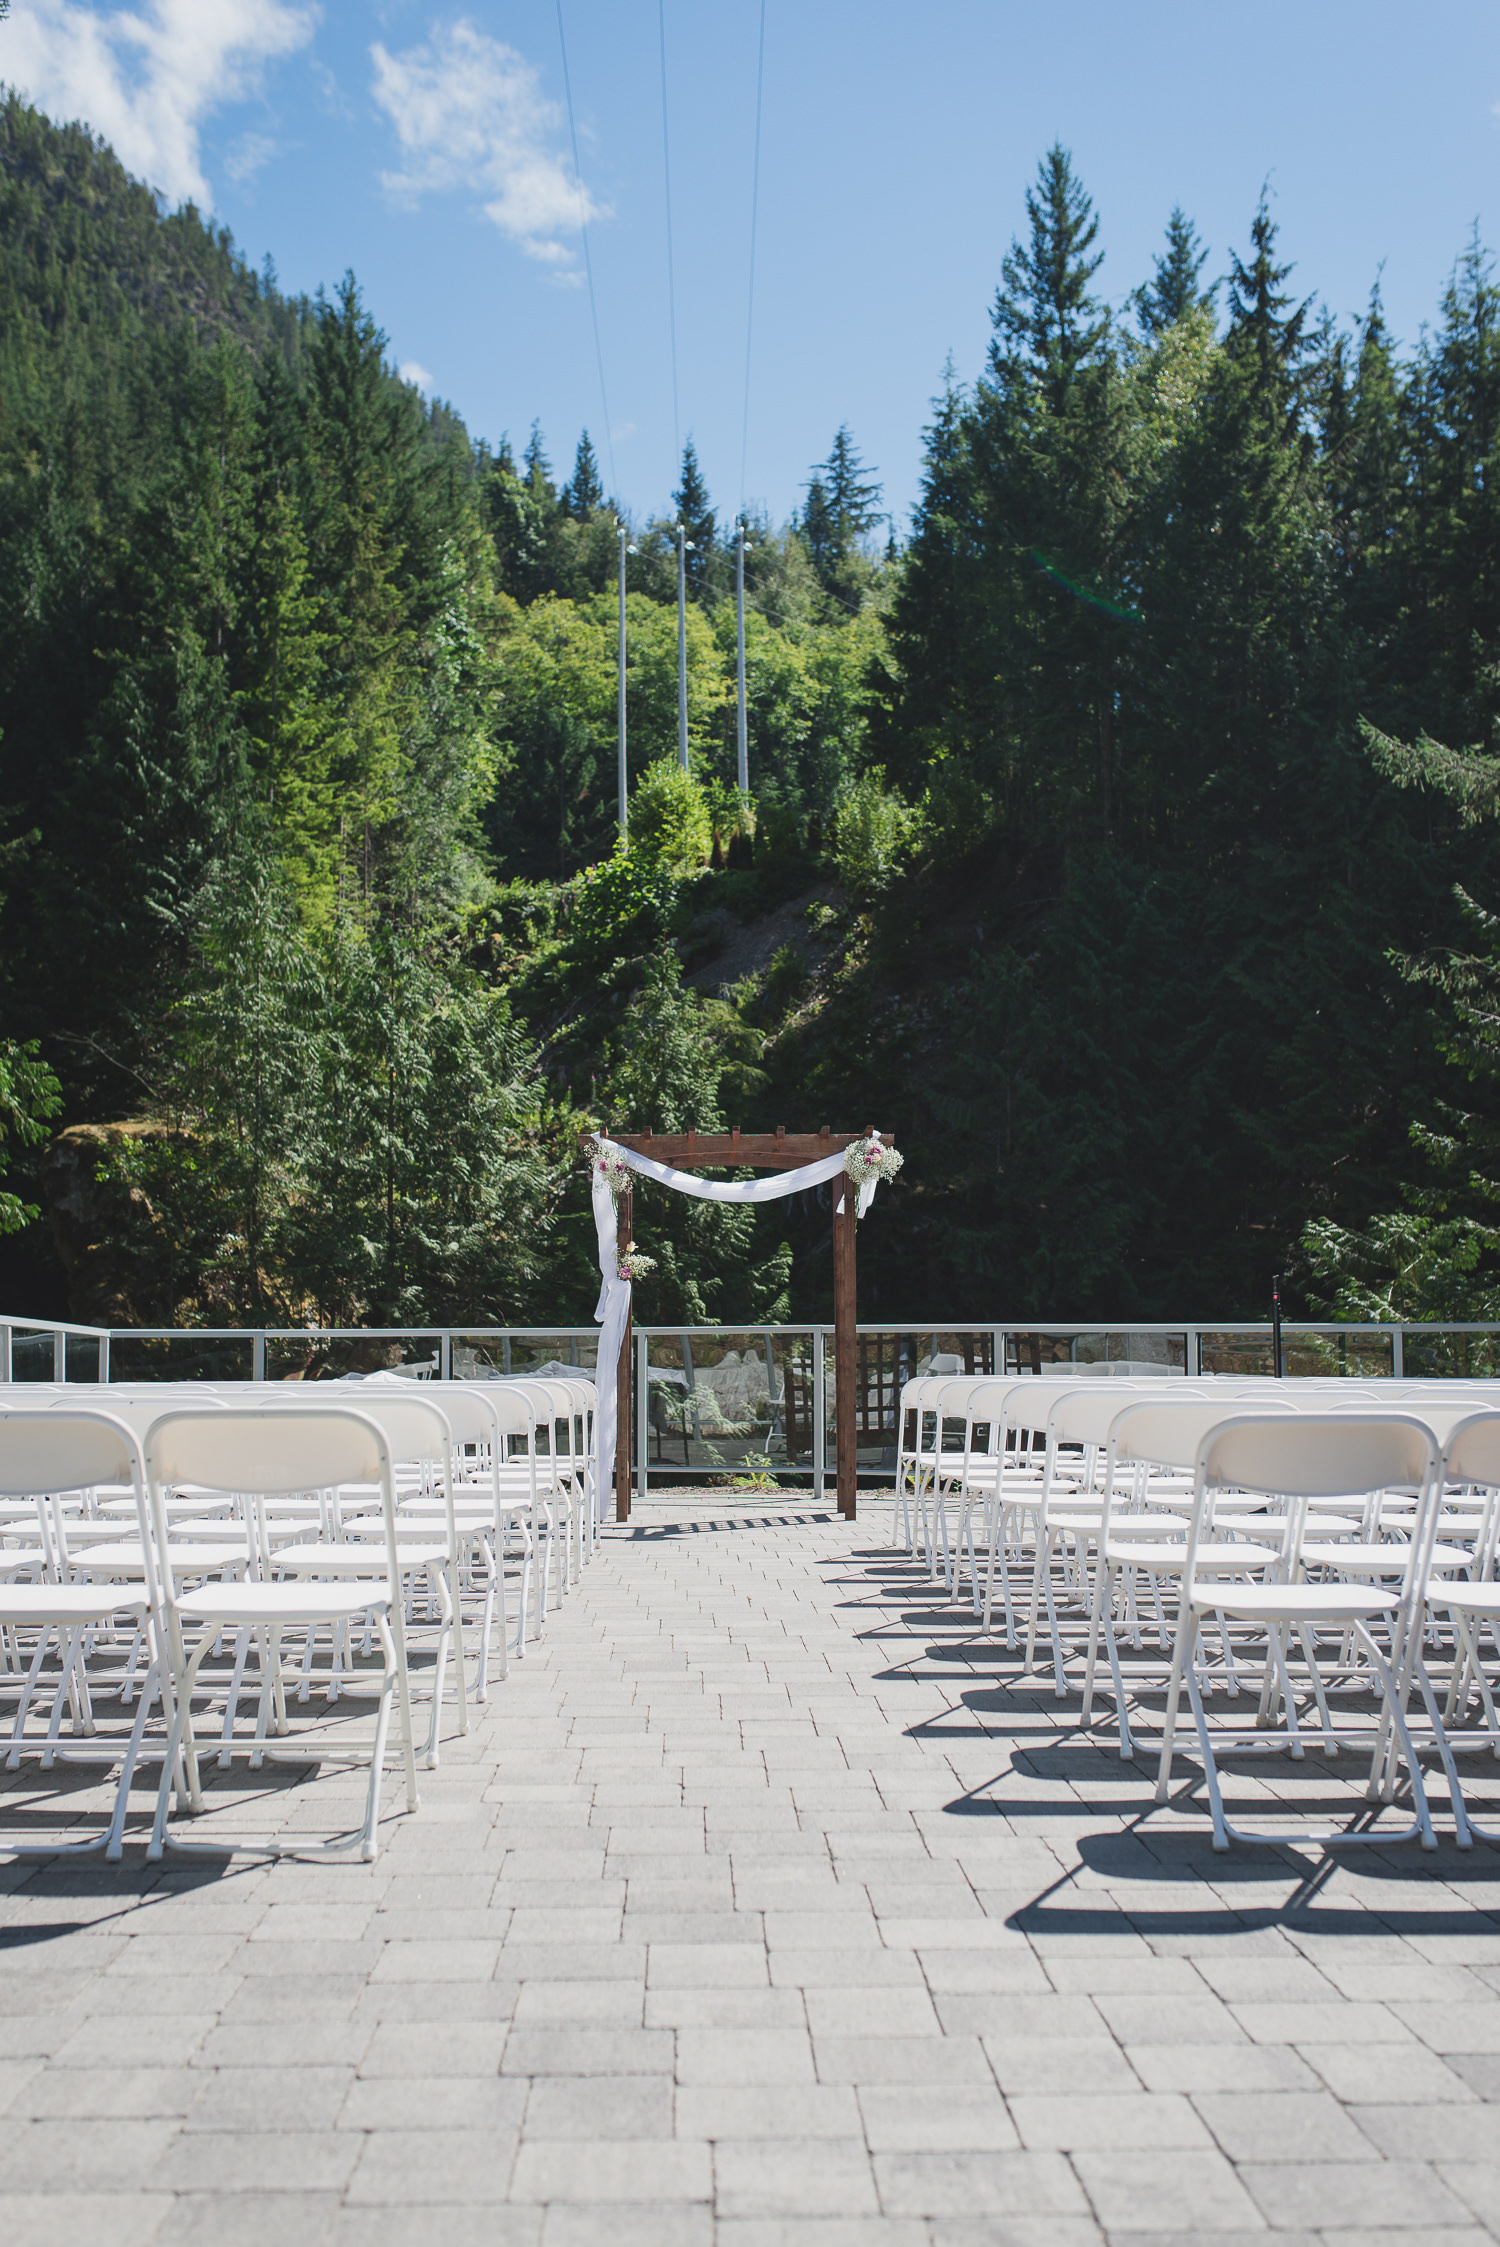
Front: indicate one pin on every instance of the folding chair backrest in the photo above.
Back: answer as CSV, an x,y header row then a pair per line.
x,y
1472,1451
1327,1455
267,1451
1171,1434
984,1405
139,1412
415,1428
466,1408
46,1451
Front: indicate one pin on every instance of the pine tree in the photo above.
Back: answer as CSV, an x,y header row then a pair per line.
x,y
537,469
694,512
1047,322
1262,328
842,507
583,495
1173,292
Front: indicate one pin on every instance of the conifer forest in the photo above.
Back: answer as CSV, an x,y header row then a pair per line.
x,y
1122,829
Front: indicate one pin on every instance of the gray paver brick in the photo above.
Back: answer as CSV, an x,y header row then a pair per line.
x,y
1352,2197
631,2106
654,2224
1187,2192
613,2171
959,2184
807,2177
67,2217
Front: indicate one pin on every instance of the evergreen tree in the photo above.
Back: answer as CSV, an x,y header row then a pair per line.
x,y
1048,324
537,468
1264,324
842,508
1174,290
583,495
696,515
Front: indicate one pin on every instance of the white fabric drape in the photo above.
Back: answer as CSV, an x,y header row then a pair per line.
x,y
613,1306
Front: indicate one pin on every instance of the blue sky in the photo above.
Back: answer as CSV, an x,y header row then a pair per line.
x,y
428,147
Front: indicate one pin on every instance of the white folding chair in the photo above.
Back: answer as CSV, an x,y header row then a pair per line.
x,y
1297,1458
1471,1456
43,1455
268,1452
419,1438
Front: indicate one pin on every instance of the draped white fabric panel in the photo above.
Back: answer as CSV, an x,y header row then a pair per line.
x,y
613,1306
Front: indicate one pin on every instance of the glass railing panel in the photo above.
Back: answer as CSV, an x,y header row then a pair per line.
x,y
1358,1354
316,1356
730,1406
31,1357
501,1356
1446,1354
179,1357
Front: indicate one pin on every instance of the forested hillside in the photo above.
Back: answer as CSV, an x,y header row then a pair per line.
x,y
1099,840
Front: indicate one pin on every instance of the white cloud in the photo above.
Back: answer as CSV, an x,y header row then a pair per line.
x,y
469,113
147,78
413,372
250,154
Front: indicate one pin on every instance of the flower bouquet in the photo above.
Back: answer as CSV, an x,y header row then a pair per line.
x,y
610,1165
635,1266
871,1158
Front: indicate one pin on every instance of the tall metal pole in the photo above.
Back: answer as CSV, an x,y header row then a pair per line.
x,y
739,603
624,780
682,730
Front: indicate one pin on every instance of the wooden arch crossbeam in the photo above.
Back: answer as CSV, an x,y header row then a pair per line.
x,y
758,1150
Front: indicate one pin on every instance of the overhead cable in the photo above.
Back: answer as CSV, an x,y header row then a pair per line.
x,y
588,263
760,79
666,165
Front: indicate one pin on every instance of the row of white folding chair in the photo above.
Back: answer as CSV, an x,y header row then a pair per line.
x,y
1304,1459
1067,1507
270,1539
560,1466
1004,1474
268,1453
553,1488
1076,1414
1297,1459
423,1511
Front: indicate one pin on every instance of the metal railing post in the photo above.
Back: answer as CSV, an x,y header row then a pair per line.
x,y
59,1355
103,1358
5,1358
819,1413
1190,1353
258,1354
642,1412
1398,1353
445,1355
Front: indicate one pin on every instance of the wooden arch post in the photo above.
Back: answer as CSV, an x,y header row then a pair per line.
x,y
762,1150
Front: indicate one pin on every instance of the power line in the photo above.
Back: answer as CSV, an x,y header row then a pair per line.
x,y
666,165
760,79
588,263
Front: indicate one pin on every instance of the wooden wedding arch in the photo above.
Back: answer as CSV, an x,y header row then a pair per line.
x,y
758,1150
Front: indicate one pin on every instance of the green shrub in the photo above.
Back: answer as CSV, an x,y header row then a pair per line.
x,y
875,833
670,823
625,900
